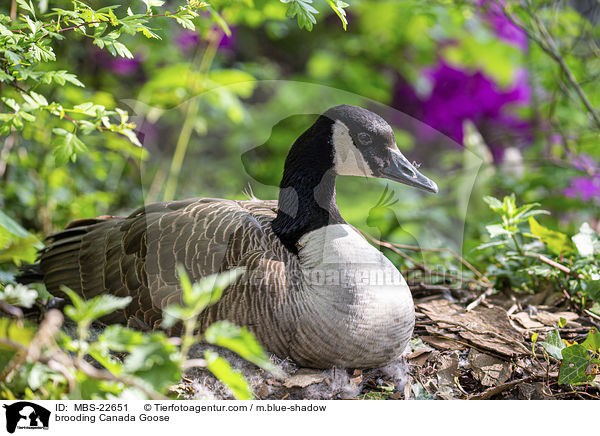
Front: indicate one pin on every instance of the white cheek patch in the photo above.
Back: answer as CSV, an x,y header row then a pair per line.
x,y
348,160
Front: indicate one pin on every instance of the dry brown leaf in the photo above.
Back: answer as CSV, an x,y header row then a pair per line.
x,y
445,375
420,360
552,318
488,370
487,327
525,320
442,343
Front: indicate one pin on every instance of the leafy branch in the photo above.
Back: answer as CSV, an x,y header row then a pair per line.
x,y
305,12
542,37
27,45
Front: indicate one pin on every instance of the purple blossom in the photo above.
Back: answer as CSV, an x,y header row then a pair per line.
x,y
227,42
586,188
124,66
458,95
586,163
493,14
187,40
118,65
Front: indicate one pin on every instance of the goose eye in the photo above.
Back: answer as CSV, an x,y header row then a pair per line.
x,y
364,138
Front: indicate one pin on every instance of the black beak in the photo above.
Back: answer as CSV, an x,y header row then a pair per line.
x,y
399,169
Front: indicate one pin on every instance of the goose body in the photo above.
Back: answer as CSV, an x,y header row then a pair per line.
x,y
313,289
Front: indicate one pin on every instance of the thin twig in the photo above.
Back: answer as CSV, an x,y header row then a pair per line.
x,y
555,264
396,249
548,45
488,292
490,392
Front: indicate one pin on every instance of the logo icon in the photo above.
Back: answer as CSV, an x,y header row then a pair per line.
x,y
26,415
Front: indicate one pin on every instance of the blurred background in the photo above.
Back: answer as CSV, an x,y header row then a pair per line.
x,y
485,110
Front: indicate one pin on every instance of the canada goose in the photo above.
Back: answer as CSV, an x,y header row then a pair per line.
x,y
313,289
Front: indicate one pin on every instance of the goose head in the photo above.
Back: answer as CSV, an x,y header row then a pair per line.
x,y
363,144
344,140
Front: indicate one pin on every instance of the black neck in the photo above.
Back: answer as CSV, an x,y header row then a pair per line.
x,y
307,189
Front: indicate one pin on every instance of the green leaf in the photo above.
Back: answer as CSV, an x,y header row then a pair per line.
x,y
509,205
303,10
207,290
557,242
15,332
119,338
592,341
16,244
152,3
338,7
10,227
241,341
26,6
496,230
574,367
233,379
553,344
86,311
155,361
586,241
561,322
493,203
67,146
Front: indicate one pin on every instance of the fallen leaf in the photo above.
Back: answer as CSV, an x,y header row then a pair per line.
x,y
525,320
488,370
445,375
552,319
487,327
419,360
442,343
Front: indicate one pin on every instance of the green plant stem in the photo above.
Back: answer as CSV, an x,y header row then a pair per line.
x,y
190,118
517,245
187,339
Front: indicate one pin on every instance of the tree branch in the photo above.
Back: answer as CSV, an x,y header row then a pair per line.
x,y
547,44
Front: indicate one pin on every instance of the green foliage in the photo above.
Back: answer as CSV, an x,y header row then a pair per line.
x,y
16,244
85,311
149,365
531,265
579,363
241,341
557,242
304,11
553,344
575,366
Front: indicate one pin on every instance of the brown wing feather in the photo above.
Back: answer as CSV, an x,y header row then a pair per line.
x,y
137,256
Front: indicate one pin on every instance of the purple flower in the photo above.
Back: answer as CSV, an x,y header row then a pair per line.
x,y
493,14
586,163
458,95
586,188
187,40
227,42
124,66
117,65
